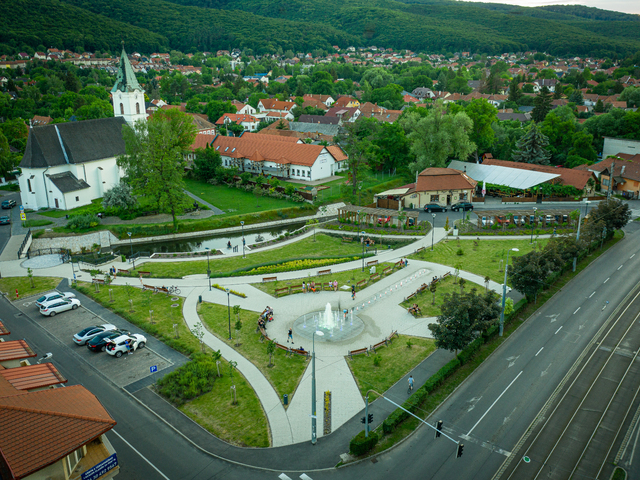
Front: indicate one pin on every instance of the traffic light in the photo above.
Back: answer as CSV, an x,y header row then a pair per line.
x,y
362,420
438,428
460,449
370,418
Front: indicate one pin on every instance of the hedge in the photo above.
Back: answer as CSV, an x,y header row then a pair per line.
x,y
360,444
465,355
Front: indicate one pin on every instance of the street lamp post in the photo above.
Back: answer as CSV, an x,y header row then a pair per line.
x,y
504,289
586,208
242,226
208,268
433,227
228,311
314,436
535,209
362,234
131,255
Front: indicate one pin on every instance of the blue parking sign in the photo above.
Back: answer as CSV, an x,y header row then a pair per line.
x,y
153,369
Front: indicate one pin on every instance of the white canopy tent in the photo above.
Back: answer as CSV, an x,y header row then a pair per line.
x,y
509,177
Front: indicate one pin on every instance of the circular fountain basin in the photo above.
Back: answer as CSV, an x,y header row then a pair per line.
x,y
336,328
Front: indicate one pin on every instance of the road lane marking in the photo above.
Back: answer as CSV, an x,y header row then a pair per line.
x,y
496,401
142,456
539,351
546,370
558,331
606,280
619,267
632,255
576,310
592,294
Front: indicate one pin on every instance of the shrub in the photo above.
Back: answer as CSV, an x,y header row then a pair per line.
x,y
83,222
465,355
360,444
190,380
377,360
460,252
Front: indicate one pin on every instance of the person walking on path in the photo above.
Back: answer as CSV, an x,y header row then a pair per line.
x,y
353,292
290,336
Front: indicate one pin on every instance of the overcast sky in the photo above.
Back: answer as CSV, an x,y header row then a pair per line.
x,y
627,6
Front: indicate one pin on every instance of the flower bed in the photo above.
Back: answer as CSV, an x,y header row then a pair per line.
x,y
185,254
299,265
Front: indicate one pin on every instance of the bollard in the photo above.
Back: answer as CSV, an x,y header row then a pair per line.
x,y
285,399
199,298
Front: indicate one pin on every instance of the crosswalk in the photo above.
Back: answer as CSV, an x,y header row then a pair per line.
x,y
304,476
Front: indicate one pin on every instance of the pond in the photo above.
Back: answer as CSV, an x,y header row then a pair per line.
x,y
214,242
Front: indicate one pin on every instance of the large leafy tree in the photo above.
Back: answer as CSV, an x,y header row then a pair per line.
x,y
483,115
205,163
527,272
154,160
357,140
461,316
541,105
613,212
531,148
437,136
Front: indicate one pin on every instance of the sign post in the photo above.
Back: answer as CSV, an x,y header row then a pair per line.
x,y
101,468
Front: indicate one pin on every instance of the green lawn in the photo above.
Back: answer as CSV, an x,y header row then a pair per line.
x,y
425,298
218,420
233,200
396,360
481,257
347,277
285,373
323,246
94,208
23,285
36,223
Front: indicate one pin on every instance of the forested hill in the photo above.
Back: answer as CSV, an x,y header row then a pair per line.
x,y
265,26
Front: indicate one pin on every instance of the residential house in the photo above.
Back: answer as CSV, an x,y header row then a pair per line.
x,y
266,105
326,99
328,130
444,186
243,108
248,122
344,114
322,119
39,120
616,146
625,171
347,102
15,353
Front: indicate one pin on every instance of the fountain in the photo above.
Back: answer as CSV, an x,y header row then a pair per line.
x,y
336,325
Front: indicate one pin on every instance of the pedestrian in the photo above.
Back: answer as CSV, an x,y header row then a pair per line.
x,y
335,285
353,292
114,271
290,336
410,383
304,287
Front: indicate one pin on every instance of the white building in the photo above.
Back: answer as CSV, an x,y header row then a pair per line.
x,y
69,164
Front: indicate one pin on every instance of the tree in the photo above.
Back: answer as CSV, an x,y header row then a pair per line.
x,y
205,163
483,115
154,161
238,325
271,349
216,108
583,146
527,271
613,212
357,142
515,93
120,196
6,159
437,136
432,288
631,95
576,97
541,105
531,147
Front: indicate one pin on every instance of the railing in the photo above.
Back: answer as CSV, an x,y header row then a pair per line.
x,y
47,251
137,255
24,243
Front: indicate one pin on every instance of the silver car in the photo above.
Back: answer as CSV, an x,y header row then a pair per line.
x,y
51,309
53,296
83,336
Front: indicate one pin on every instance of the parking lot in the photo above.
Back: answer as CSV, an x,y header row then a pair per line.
x,y
122,371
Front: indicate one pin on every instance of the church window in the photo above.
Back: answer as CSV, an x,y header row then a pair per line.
x,y
121,109
138,108
29,184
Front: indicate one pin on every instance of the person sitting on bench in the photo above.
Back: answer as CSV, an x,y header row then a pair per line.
x,y
414,309
301,349
312,287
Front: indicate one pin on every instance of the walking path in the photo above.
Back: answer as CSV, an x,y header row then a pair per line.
x,y
215,210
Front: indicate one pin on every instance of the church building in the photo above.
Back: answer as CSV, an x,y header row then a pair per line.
x,y
67,165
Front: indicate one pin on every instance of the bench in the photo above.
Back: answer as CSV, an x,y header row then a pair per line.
x,y
97,280
398,264
282,347
327,286
163,290
410,296
148,287
372,263
360,351
269,279
324,272
448,274
347,239
394,333
374,278
123,271
361,284
304,353
294,288
421,249
148,274
383,343
387,271
263,334
281,290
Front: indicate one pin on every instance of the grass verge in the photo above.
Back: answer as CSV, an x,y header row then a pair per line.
x,y
9,285
223,420
482,257
36,223
286,372
440,394
393,362
425,298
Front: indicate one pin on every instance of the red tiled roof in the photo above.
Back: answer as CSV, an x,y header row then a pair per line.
x,y
201,141
271,150
268,138
39,428
337,153
15,350
568,176
33,376
433,179
3,329
631,164
236,118
274,104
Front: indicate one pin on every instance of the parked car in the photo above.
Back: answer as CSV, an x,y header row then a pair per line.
x,y
8,204
86,334
53,296
464,206
434,207
118,346
99,342
58,306
383,220
487,221
4,220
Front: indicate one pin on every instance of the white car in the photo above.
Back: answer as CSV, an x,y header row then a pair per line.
x,y
125,344
487,221
61,305
53,296
83,336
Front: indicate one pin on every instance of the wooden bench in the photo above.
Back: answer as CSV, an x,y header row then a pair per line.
x,y
97,280
387,271
410,296
294,288
394,333
448,274
269,279
282,347
398,264
263,334
360,351
304,353
372,263
374,278
148,287
383,343
361,284
148,274
327,286
123,271
421,249
347,239
324,272
281,290
163,290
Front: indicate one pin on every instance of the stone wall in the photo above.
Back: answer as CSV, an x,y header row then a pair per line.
x,y
75,243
